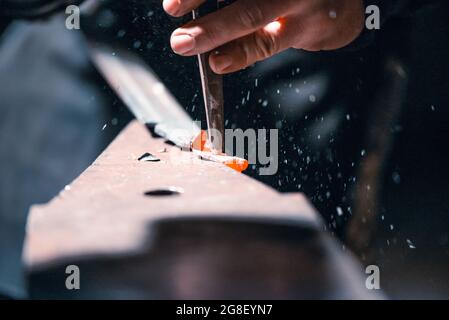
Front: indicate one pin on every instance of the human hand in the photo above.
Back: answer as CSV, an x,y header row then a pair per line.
x,y
248,31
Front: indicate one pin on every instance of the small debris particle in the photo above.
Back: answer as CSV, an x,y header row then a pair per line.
x,y
164,150
410,244
148,157
339,211
396,178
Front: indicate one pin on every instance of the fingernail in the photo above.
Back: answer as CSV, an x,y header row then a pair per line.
x,y
182,43
171,7
220,62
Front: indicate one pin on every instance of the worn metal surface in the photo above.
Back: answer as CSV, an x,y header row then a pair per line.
x,y
220,235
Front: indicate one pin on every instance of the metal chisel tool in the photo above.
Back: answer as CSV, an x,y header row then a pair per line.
x,y
212,86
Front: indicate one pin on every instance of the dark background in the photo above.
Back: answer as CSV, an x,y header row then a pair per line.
x,y
322,104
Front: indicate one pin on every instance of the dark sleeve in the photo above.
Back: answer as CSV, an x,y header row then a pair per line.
x,y
392,8
32,8
389,9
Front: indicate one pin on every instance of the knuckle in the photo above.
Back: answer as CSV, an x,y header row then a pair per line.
x,y
244,49
266,45
210,37
251,15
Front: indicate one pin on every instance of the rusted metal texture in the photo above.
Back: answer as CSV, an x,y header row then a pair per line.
x,y
181,227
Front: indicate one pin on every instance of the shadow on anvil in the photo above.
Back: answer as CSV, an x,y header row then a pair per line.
x,y
211,259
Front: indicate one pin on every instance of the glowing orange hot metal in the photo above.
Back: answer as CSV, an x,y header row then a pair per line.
x,y
200,147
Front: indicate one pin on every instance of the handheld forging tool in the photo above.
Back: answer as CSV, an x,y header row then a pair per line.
x,y
212,86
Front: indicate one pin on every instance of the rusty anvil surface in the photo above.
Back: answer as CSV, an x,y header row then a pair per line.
x,y
225,236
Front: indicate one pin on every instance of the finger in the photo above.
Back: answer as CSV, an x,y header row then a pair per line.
x,y
178,8
232,22
243,52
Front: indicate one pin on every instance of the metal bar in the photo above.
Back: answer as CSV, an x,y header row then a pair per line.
x,y
144,94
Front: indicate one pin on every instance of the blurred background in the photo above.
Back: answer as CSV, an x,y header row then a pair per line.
x,y
363,130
